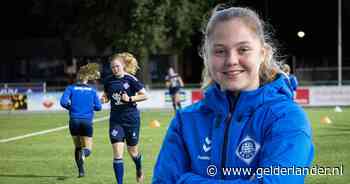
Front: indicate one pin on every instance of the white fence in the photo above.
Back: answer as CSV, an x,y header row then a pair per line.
x,y
306,96
51,100
324,96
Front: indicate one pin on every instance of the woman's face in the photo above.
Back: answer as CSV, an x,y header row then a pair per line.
x,y
117,67
171,71
235,54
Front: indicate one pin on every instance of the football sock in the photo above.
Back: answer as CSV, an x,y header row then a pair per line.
x,y
137,161
179,105
118,166
174,106
78,161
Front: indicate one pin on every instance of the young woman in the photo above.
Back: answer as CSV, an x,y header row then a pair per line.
x,y
247,119
292,79
81,100
174,83
123,90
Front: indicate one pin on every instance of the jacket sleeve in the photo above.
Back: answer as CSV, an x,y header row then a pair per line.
x,y
287,145
65,99
97,102
173,160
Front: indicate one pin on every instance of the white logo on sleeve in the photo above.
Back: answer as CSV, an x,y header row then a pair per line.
x,y
126,85
247,149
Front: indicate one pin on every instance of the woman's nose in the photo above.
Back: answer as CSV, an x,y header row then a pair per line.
x,y
231,58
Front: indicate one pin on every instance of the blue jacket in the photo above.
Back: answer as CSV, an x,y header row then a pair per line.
x,y
293,81
81,100
265,129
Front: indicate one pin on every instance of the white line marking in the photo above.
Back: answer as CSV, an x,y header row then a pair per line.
x,y
46,131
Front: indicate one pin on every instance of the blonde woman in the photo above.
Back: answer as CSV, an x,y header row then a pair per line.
x,y
123,90
292,79
247,119
81,100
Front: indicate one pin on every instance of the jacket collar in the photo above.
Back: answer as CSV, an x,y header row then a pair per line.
x,y
216,99
81,84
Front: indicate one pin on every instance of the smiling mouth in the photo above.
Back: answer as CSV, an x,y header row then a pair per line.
x,y
232,74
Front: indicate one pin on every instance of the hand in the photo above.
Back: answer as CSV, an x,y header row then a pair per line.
x,y
104,98
125,97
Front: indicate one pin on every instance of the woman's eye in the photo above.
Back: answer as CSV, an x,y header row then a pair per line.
x,y
219,52
243,50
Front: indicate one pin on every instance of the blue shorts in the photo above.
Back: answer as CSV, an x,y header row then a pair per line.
x,y
125,127
80,127
173,91
120,133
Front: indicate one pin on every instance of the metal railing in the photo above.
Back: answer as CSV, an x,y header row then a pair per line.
x,y
322,76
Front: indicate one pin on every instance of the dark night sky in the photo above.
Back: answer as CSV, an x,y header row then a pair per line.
x,y
318,19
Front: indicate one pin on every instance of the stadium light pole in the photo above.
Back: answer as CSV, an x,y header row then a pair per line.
x,y
339,43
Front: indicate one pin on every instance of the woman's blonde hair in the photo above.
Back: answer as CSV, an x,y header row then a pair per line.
x,y
286,68
130,63
269,66
90,71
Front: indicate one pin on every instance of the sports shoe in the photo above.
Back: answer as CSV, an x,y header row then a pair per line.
x,y
81,174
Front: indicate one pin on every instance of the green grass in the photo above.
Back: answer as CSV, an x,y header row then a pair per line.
x,y
49,158
332,143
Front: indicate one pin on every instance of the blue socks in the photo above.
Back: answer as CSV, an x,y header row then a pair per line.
x,y
118,166
137,161
79,155
79,161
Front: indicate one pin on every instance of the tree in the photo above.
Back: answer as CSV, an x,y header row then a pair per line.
x,y
142,27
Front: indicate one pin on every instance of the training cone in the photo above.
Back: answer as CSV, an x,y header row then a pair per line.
x,y
326,120
154,124
338,109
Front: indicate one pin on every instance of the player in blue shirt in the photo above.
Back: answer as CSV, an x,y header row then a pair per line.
x,y
81,100
174,83
292,79
123,90
247,129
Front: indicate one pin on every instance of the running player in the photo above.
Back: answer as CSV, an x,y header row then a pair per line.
x,y
123,90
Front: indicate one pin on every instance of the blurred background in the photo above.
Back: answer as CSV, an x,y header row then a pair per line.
x,y
47,41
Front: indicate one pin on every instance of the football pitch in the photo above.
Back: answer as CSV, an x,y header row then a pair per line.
x,y
48,158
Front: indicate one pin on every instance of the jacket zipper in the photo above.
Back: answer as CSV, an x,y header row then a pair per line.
x,y
224,149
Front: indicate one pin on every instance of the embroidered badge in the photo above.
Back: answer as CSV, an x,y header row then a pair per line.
x,y
126,85
114,132
247,149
